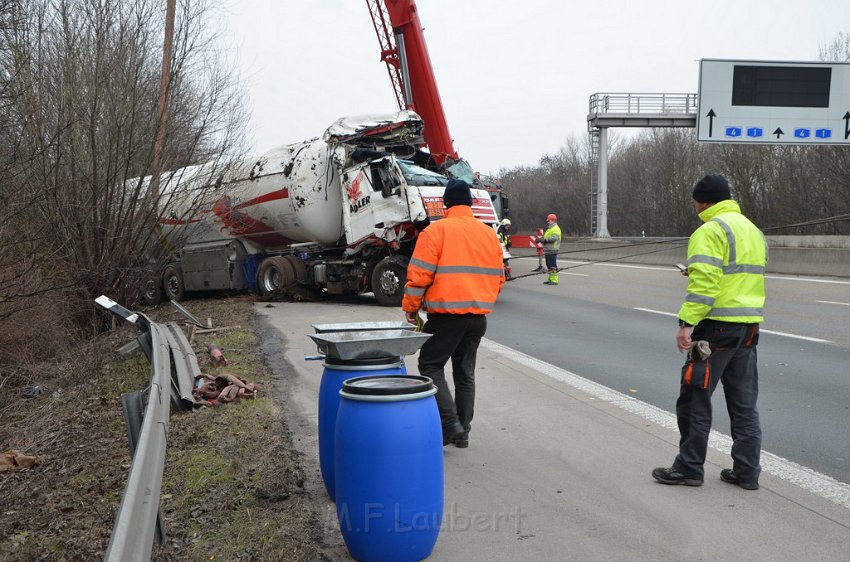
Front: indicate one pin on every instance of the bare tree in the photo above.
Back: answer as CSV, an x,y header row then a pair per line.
x,y
650,183
80,81
559,184
838,50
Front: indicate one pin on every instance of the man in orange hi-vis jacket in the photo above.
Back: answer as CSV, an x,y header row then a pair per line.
x,y
455,275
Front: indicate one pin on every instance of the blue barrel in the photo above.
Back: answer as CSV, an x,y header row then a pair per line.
x,y
389,468
336,371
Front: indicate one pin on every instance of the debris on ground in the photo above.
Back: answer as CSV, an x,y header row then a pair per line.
x,y
216,356
13,460
211,390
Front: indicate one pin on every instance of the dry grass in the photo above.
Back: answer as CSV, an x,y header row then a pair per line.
x,y
233,487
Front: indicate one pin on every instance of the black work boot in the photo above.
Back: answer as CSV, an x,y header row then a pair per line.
x,y
727,475
462,442
672,476
452,432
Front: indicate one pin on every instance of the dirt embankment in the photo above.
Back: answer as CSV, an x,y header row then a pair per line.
x,y
233,487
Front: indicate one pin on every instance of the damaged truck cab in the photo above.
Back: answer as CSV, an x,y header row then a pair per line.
x,y
338,215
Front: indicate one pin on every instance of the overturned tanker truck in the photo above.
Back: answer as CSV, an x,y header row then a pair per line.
x,y
338,214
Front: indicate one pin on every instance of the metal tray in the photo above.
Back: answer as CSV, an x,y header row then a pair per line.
x,y
368,344
363,326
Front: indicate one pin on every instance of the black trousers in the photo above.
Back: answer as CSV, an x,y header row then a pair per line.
x,y
455,337
734,362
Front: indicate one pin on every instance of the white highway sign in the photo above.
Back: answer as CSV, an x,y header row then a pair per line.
x,y
774,102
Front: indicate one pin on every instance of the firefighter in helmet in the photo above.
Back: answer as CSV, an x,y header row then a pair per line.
x,y
505,240
504,233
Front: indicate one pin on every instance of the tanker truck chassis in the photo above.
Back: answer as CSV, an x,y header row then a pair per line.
x,y
226,266
336,215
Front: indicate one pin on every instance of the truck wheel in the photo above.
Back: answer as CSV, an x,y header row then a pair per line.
x,y
152,293
388,280
275,275
298,267
172,281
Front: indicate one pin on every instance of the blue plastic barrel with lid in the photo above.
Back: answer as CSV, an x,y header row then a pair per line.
x,y
336,371
389,468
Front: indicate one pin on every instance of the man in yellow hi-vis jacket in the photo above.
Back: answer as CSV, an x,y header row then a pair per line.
x,y
723,307
551,241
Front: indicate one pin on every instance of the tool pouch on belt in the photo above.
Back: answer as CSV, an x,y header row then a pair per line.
x,y
697,370
715,337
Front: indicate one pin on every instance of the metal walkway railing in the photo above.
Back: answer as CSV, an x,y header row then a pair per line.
x,y
643,104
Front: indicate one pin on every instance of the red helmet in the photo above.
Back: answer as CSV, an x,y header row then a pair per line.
x,y
552,218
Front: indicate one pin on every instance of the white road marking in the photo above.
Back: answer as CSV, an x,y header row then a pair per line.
x,y
673,268
831,281
833,302
627,266
806,478
762,330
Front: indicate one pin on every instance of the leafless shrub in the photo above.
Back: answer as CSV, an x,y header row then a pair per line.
x,y
79,81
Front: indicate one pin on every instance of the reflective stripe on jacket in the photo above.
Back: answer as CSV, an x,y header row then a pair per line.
x,y
552,239
726,260
456,267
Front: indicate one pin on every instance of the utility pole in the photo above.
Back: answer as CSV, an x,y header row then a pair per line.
x,y
156,165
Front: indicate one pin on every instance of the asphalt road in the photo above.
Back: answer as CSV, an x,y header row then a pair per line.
x,y
558,466
615,324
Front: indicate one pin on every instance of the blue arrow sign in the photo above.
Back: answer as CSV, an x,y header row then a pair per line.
x,y
755,132
733,131
802,133
823,133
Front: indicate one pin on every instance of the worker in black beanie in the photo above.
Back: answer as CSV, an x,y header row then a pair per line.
x,y
712,188
454,275
719,330
457,193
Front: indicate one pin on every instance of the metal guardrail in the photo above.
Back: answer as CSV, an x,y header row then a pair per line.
x,y
185,365
137,523
133,532
641,104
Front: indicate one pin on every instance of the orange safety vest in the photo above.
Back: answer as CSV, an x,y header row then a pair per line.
x,y
456,267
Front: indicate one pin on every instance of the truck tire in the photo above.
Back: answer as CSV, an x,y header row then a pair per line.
x,y
151,289
172,282
388,280
275,276
298,268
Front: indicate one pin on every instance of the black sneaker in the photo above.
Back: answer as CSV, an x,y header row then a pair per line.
x,y
728,476
672,476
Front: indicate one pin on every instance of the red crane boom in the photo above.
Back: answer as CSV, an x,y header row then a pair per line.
x,y
405,53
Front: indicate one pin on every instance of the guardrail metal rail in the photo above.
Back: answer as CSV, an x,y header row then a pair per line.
x,y
138,524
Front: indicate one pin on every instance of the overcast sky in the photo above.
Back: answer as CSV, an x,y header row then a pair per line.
x,y
514,76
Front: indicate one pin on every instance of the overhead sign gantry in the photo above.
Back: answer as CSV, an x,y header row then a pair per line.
x,y
774,102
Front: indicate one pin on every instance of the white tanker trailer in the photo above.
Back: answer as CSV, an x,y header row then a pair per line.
x,y
338,214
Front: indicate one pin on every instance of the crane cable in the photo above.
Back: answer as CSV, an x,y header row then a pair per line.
x,y
677,242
